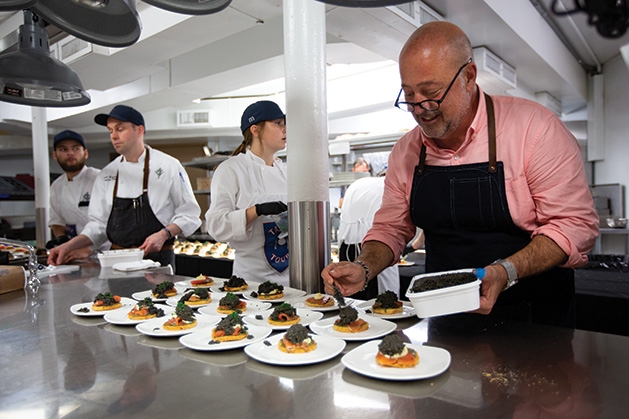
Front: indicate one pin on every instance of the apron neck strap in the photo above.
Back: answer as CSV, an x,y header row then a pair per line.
x,y
145,180
491,133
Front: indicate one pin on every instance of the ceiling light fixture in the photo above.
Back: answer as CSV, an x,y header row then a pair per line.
x,y
191,7
364,3
112,23
7,5
30,76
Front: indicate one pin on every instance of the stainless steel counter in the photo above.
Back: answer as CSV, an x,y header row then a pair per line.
x,y
54,364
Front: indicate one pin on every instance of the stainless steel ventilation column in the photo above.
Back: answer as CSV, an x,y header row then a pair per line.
x,y
41,173
307,139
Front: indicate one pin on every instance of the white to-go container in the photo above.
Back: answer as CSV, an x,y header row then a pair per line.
x,y
110,257
448,300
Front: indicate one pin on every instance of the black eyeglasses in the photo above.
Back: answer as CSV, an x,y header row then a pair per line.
x,y
428,104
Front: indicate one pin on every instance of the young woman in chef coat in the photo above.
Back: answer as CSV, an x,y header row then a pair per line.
x,y
248,197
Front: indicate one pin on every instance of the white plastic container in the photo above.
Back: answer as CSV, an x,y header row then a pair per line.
x,y
448,300
110,257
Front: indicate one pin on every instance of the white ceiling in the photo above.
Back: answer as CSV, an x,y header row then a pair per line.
x,y
238,51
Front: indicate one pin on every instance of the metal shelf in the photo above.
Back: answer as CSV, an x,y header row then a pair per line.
x,y
207,163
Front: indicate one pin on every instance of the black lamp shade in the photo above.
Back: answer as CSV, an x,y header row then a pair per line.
x,y
191,7
112,23
30,76
365,3
6,5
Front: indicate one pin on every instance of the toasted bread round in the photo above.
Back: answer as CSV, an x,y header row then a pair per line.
x,y
224,338
320,302
224,310
271,296
198,302
105,308
234,289
169,293
407,361
359,325
285,346
381,310
146,317
184,326
295,320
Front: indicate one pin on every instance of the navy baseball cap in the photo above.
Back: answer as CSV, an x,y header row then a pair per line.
x,y
264,110
67,135
122,113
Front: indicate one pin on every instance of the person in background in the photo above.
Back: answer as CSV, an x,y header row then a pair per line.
x,y
70,193
494,181
362,199
248,192
141,199
361,165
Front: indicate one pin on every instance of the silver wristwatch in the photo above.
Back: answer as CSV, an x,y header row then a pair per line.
x,y
512,274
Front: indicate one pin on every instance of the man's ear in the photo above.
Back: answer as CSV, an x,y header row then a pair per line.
x,y
87,154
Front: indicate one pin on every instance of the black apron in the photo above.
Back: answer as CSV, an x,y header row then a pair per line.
x,y
464,213
132,220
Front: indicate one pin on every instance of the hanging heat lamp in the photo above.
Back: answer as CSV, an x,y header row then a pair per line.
x,y
191,7
364,3
31,76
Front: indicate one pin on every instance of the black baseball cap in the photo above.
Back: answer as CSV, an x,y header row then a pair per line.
x,y
264,110
67,135
122,113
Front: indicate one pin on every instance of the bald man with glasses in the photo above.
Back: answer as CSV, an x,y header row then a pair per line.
x,y
494,181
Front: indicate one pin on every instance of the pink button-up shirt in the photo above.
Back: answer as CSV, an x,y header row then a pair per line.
x,y
547,191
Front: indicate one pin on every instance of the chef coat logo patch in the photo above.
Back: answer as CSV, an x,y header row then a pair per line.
x,y
86,197
275,247
159,172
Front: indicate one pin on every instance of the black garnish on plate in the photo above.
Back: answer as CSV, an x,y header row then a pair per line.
x,y
84,310
259,317
267,343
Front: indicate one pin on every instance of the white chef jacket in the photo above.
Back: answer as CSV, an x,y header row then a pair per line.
x,y
362,199
169,190
65,196
239,183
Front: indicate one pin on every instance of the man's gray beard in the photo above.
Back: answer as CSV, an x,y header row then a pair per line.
x,y
72,168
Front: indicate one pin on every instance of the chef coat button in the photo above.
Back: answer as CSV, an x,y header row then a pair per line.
x,y
456,158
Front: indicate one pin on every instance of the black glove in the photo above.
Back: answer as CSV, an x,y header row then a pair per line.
x,y
407,249
57,241
271,208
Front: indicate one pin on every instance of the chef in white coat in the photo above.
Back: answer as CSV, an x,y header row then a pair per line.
x,y
248,197
71,192
362,199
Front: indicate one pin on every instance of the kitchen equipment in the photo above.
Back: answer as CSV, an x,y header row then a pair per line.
x,y
110,257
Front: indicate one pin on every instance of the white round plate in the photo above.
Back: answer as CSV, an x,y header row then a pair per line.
x,y
407,310
141,295
406,263
252,307
362,360
289,293
127,303
327,348
377,328
172,301
154,327
120,317
300,302
200,341
306,317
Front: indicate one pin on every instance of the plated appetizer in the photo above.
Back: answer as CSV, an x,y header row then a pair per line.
x,y
320,300
387,303
230,303
183,318
230,328
144,310
269,291
164,289
202,281
234,284
196,297
283,315
106,301
349,322
392,352
297,340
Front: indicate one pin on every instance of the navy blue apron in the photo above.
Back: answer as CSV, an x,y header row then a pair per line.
x,y
132,220
464,213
